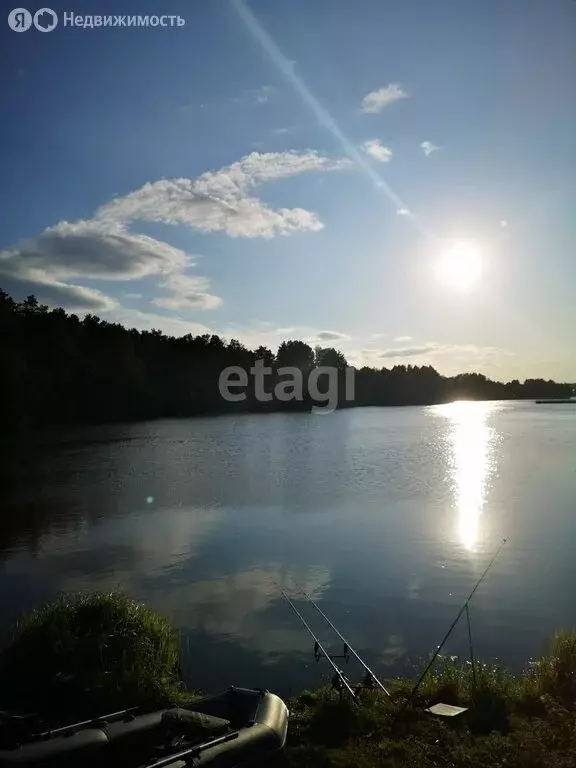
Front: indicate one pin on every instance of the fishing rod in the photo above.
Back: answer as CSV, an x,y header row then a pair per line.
x,y
318,645
447,635
347,645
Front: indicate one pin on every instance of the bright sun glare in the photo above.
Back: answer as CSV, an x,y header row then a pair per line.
x,y
460,265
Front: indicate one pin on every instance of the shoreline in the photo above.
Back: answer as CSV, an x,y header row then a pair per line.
x,y
88,654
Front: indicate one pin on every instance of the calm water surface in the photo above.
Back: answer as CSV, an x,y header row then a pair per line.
x,y
387,516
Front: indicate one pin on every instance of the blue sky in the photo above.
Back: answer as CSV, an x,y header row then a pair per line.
x,y
277,170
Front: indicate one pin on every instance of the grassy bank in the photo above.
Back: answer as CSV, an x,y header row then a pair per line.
x,y
87,654
517,721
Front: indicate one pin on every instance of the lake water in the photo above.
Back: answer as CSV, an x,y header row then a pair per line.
x,y
387,516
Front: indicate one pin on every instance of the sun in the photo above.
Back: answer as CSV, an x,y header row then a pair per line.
x,y
460,264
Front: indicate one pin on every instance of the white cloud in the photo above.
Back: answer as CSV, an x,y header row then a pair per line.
x,y
104,248
428,148
188,292
503,224
220,200
401,339
91,249
375,101
378,151
55,293
402,212
257,168
181,202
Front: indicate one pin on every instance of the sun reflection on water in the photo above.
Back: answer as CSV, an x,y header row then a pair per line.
x,y
471,444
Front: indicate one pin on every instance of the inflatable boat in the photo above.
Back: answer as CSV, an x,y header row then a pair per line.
x,y
239,727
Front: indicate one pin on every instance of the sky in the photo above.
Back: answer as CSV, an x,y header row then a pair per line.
x,y
395,179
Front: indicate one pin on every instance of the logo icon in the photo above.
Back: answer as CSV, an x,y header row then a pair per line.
x,y
19,20
45,20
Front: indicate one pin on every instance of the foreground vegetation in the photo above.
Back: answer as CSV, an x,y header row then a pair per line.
x,y
60,369
87,654
524,721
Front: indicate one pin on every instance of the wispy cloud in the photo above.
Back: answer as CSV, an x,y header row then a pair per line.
x,y
49,290
503,224
378,151
402,212
106,248
456,351
187,292
222,200
449,359
408,351
262,94
428,148
375,101
331,336
401,339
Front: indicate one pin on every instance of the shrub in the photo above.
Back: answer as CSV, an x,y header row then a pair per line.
x,y
98,651
554,674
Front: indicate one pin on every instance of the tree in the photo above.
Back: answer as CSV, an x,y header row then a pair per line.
x,y
265,354
58,369
329,357
295,353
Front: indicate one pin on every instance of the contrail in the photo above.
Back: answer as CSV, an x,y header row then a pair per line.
x,y
326,119
321,113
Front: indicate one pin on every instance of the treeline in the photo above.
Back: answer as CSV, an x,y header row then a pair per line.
x,y
58,369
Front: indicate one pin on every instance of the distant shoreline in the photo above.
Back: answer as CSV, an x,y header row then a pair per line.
x,y
60,370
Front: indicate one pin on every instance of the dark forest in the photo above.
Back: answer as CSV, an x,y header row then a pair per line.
x,y
60,369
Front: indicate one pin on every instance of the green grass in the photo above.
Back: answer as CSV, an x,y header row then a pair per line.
x,y
513,721
88,653
554,674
